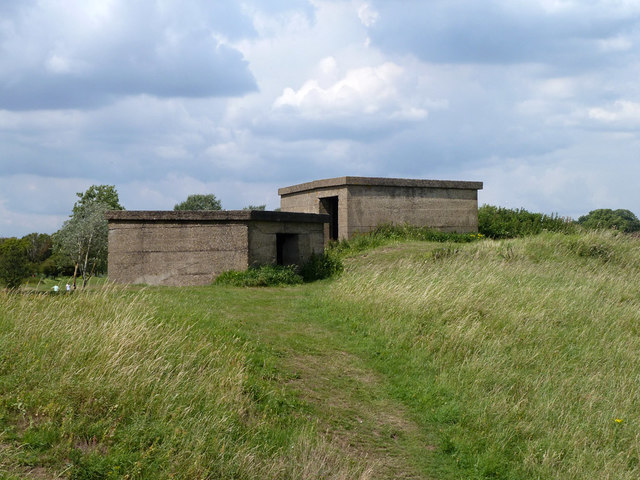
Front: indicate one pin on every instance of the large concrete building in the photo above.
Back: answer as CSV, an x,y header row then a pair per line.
x,y
193,247
359,204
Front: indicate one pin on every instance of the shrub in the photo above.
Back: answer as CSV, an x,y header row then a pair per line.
x,y
263,276
321,266
48,268
14,262
499,222
384,234
605,218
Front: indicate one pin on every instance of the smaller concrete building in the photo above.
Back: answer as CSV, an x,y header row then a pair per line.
x,y
359,204
193,247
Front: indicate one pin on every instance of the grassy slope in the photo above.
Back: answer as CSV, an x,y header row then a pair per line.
x,y
523,353
487,360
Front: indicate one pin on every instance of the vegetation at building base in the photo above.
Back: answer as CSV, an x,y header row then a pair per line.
x,y
500,359
388,234
318,267
262,276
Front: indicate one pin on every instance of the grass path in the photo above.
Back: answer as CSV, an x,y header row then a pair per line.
x,y
301,354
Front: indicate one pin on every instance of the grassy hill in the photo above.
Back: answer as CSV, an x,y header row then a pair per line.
x,y
494,359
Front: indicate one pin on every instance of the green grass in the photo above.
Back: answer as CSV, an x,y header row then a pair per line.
x,y
523,353
262,276
449,360
45,284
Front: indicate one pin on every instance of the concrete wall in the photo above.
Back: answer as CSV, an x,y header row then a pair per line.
x,y
262,243
175,253
192,248
445,209
309,202
365,203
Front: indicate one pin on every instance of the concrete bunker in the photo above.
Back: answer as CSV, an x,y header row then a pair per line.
x,y
287,249
359,204
329,206
193,247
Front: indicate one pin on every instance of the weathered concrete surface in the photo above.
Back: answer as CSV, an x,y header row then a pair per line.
x,y
192,248
262,248
365,202
309,202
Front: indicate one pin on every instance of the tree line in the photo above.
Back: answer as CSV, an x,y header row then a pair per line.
x,y
499,222
79,249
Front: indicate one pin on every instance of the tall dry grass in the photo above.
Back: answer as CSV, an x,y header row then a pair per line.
x,y
92,386
524,353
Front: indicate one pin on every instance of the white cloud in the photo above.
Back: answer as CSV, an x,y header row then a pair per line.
x,y
622,111
363,91
367,15
328,66
619,43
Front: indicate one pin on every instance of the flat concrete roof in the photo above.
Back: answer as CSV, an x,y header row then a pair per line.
x,y
213,216
378,182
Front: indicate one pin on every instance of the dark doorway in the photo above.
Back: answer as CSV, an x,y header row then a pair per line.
x,y
329,205
287,251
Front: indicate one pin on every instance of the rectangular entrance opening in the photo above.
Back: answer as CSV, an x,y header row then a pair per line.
x,y
329,205
287,251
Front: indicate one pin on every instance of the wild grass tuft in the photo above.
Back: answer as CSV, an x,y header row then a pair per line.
x,y
322,266
92,386
390,234
522,352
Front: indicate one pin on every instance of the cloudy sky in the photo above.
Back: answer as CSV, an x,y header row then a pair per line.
x,y
539,99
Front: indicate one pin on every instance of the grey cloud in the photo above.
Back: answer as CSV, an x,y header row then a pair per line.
x,y
141,50
139,138
294,127
11,7
467,31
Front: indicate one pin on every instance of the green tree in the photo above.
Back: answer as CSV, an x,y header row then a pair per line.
x,y
83,240
200,202
14,262
604,218
255,207
39,247
105,194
